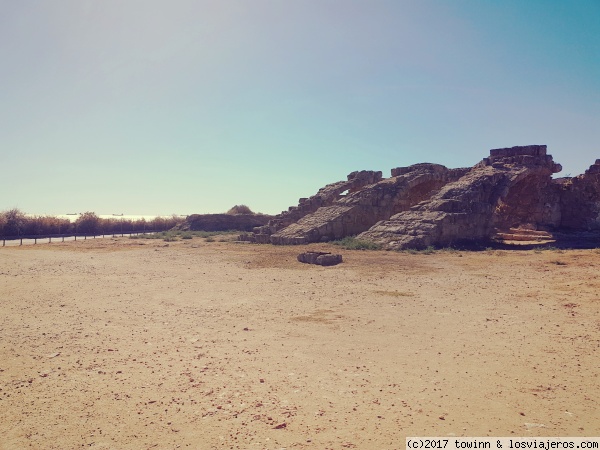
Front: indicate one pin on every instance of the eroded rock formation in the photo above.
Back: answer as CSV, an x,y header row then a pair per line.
x,y
511,193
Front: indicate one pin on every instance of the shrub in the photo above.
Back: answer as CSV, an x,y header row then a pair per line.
x,y
14,222
429,250
239,209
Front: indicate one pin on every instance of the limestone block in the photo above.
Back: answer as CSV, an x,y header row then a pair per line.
x,y
320,258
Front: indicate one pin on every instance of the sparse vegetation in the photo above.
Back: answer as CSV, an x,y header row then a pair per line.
x,y
429,250
550,248
449,250
173,235
351,243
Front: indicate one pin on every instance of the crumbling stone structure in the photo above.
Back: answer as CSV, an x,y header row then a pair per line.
x,y
324,197
509,195
223,222
360,210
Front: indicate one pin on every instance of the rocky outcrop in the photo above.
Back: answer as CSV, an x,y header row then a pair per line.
x,y
224,222
509,195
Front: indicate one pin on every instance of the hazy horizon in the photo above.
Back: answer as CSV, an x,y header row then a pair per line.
x,y
194,106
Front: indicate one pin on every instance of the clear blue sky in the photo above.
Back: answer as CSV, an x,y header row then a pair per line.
x,y
192,106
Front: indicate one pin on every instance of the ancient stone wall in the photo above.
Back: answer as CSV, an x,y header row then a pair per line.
x,y
224,222
511,192
325,196
580,200
472,208
360,210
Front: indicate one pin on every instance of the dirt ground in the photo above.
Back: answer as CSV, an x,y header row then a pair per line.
x,y
141,344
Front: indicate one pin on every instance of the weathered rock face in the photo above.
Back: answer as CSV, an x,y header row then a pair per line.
x,y
429,204
224,222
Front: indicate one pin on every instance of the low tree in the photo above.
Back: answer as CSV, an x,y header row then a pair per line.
x,y
14,222
2,224
88,223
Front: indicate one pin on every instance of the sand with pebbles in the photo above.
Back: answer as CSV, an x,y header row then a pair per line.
x,y
139,344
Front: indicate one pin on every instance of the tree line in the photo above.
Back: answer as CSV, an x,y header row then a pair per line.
x,y
15,222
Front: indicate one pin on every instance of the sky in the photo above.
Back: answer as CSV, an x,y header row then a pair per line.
x,y
157,107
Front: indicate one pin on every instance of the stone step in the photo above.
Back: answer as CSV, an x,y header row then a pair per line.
x,y
524,231
522,235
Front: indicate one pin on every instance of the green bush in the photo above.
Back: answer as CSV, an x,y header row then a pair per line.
x,y
351,243
422,251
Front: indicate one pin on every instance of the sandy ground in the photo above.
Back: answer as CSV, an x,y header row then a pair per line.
x,y
138,344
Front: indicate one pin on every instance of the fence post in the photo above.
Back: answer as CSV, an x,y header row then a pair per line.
x,y
21,241
34,240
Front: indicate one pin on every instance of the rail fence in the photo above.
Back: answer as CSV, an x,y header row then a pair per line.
x,y
36,237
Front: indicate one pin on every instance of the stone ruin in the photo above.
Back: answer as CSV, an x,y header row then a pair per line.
x,y
320,258
508,196
223,222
